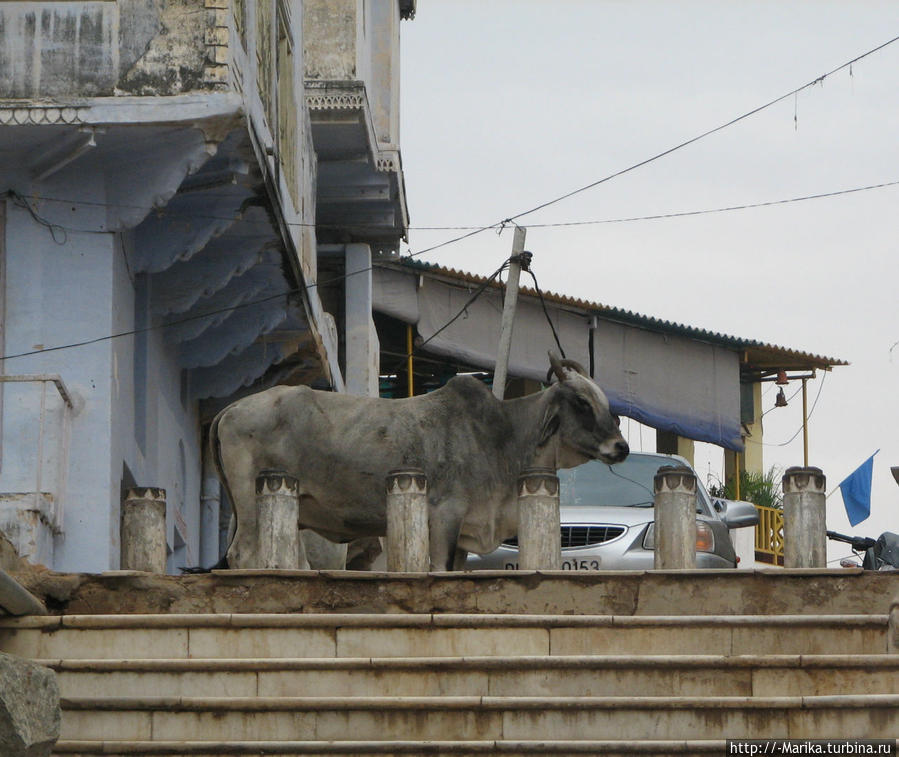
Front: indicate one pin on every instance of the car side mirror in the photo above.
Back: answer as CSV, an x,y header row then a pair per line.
x,y
736,513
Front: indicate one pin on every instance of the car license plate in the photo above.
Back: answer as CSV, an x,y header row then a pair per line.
x,y
591,563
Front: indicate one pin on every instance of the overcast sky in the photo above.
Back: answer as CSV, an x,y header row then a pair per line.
x,y
509,103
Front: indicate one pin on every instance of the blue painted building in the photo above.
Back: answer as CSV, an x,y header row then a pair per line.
x,y
184,187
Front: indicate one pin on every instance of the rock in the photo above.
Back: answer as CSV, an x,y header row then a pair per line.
x,y
29,708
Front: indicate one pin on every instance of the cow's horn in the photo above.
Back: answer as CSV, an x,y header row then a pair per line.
x,y
559,366
555,367
575,366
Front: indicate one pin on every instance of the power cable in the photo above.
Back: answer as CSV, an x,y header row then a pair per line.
x,y
703,135
546,313
22,202
208,314
707,211
475,295
500,224
775,407
807,418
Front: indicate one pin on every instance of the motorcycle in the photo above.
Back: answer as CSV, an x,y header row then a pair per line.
x,y
881,553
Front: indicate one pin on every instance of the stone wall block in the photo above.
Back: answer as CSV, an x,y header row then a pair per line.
x,y
29,708
218,35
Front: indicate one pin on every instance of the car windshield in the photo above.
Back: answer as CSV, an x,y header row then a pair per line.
x,y
627,484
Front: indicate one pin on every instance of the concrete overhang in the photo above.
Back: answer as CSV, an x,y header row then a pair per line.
x,y
361,194
180,177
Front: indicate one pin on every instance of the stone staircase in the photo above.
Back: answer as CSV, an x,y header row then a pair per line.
x,y
459,683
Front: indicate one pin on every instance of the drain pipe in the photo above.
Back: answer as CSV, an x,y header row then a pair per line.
x,y
16,599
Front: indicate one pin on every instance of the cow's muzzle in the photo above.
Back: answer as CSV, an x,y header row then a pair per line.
x,y
614,452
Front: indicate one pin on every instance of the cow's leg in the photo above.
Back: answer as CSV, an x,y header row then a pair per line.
x,y
318,553
241,484
444,522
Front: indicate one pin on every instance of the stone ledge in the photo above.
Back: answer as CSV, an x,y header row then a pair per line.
x,y
621,593
428,621
519,663
442,703
406,747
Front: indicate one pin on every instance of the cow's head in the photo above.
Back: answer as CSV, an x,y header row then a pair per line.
x,y
579,420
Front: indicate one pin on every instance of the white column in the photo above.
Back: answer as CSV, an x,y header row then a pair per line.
x,y
805,530
539,529
143,530
675,518
408,542
277,520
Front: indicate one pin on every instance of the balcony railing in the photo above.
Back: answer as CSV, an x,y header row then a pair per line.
x,y
769,535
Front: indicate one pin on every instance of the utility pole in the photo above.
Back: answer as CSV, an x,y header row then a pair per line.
x,y
505,334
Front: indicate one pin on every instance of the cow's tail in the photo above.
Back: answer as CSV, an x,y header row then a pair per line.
x,y
215,448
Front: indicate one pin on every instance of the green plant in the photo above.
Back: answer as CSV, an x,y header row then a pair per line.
x,y
759,488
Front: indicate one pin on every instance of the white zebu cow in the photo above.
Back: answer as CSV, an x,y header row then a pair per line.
x,y
471,446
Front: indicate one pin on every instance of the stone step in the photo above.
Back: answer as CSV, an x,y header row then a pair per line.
x,y
542,675
509,748
331,719
430,635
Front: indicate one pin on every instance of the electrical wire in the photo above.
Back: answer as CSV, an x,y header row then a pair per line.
x,y
474,229
703,135
157,327
807,418
546,313
500,225
21,202
475,295
775,407
707,211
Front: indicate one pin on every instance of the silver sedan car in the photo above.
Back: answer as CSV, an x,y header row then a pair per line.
x,y
607,519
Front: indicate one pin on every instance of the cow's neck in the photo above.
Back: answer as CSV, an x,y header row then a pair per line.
x,y
527,415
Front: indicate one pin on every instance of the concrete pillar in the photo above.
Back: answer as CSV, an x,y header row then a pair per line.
x,y
805,537
408,544
669,443
675,518
143,529
277,520
360,337
539,532
750,459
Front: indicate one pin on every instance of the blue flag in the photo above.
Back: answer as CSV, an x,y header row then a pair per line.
x,y
856,491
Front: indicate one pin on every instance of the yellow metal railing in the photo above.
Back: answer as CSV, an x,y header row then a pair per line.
x,y
769,535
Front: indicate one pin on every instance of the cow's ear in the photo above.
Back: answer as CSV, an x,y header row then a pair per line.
x,y
549,426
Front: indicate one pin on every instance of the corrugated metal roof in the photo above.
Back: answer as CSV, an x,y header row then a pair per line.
x,y
757,355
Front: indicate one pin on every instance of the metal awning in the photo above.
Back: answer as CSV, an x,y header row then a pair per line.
x,y
669,376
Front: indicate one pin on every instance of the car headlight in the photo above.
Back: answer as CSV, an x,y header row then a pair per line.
x,y
705,539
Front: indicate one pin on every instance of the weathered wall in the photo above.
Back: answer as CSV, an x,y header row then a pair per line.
x,y
384,85
98,48
332,39
719,592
